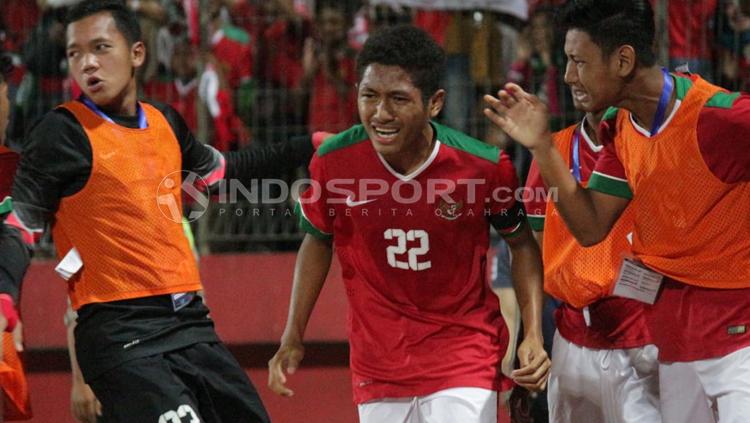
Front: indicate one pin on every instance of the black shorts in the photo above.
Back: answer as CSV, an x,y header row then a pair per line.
x,y
200,383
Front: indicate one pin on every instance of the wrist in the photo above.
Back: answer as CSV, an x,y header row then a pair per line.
x,y
544,146
291,336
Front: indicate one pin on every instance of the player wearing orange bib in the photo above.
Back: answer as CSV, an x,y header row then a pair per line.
x,y
106,172
604,367
678,153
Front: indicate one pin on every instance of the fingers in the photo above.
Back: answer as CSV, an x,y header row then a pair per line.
x,y
517,93
537,386
18,336
276,377
496,111
85,411
533,376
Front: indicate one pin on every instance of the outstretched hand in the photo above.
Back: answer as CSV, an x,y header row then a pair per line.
x,y
523,116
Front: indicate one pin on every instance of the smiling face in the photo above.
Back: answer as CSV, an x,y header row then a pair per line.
x,y
103,62
592,77
392,110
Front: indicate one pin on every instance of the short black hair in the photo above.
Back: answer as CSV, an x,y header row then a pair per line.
x,y
409,48
613,23
125,19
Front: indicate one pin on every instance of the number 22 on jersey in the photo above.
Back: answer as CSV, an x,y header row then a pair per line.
x,y
413,254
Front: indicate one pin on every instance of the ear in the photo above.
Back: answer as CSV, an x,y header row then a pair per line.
x,y
138,53
625,60
436,103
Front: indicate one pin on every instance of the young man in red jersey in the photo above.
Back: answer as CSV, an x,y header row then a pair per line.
x,y
604,365
392,197
678,152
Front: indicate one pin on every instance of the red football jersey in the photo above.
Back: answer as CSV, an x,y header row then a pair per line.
x,y
413,254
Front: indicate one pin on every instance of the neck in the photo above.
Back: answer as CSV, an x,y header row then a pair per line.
x,y
642,96
408,160
592,125
124,104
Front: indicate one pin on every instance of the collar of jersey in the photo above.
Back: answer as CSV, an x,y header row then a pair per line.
x,y
417,171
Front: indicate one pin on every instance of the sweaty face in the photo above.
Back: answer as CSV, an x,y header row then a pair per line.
x,y
592,78
101,60
391,109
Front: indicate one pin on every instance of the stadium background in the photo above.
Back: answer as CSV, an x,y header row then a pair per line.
x,y
248,61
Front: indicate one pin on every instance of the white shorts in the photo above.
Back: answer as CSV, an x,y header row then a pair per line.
x,y
706,391
608,386
465,405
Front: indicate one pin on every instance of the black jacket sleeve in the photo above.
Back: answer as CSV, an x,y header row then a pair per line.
x,y
271,160
14,260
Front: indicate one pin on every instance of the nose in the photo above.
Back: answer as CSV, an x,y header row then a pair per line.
x,y
382,112
89,63
571,73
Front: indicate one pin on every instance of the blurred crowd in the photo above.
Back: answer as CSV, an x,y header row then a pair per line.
x,y
268,69
254,71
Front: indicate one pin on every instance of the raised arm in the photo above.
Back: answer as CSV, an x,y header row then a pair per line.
x,y
311,269
588,214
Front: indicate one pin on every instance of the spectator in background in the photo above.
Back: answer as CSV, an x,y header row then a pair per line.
x,y
329,76
279,70
535,69
232,48
151,16
18,18
44,58
214,90
690,37
284,36
734,46
178,84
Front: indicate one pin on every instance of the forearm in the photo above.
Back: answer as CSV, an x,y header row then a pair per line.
x,y
574,202
270,161
75,369
311,269
526,268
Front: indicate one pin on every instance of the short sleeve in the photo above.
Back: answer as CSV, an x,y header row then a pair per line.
x,y
506,214
609,174
313,209
535,198
724,136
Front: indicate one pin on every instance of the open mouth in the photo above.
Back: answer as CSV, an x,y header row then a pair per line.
x,y
579,95
94,84
385,134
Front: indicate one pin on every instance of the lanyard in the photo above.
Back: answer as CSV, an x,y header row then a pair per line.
x,y
576,156
142,124
666,94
